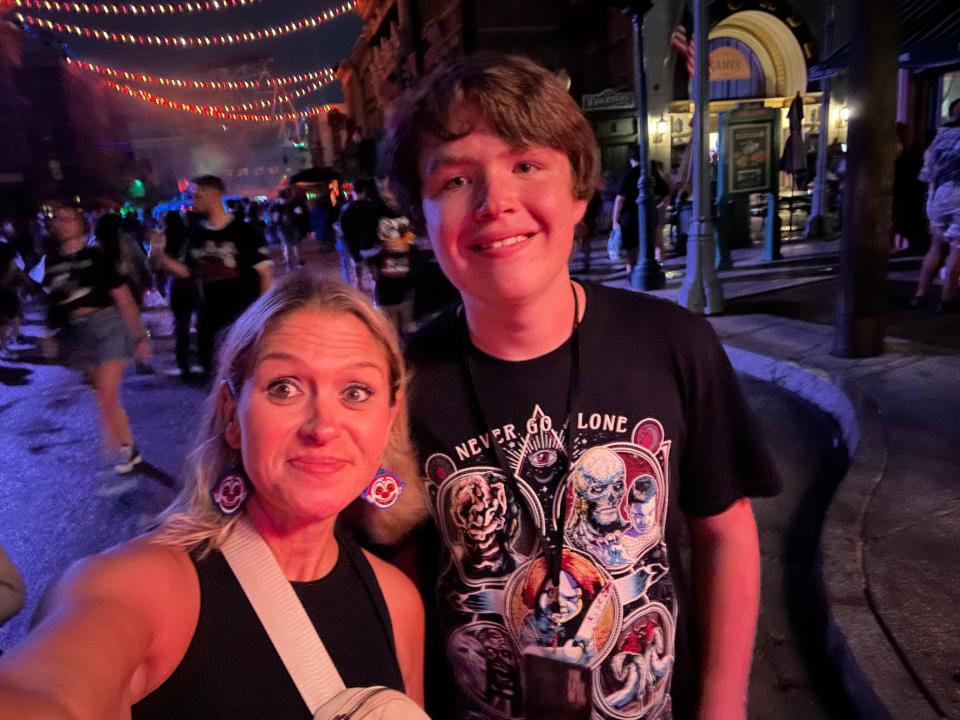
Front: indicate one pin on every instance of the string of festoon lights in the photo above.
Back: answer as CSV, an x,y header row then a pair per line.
x,y
281,98
221,112
191,40
163,8
325,74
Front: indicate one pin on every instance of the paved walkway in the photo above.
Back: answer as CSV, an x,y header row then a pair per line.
x,y
788,679
889,545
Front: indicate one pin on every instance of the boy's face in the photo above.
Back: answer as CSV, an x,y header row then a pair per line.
x,y
500,219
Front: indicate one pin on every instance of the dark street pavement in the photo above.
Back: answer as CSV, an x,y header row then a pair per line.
x,y
790,679
890,529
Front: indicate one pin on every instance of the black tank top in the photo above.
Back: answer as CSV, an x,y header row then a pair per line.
x,y
231,670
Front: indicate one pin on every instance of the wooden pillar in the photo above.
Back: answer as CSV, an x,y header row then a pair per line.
x,y
868,196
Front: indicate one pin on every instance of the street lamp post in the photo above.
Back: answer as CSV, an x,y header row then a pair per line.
x,y
817,223
647,272
700,290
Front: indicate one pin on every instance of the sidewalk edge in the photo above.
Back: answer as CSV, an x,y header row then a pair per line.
x,y
854,633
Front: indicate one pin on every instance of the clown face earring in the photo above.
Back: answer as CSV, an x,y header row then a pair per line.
x,y
384,490
231,491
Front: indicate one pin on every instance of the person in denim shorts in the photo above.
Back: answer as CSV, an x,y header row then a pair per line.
x,y
95,324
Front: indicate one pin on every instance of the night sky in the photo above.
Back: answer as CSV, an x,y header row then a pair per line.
x,y
240,144
298,52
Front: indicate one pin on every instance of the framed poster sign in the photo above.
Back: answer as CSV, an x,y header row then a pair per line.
x,y
750,158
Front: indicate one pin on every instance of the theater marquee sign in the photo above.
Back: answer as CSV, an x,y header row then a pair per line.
x,y
728,63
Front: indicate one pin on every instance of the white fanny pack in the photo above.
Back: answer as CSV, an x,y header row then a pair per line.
x,y
297,642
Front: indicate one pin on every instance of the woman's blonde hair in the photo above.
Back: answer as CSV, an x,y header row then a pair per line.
x,y
192,519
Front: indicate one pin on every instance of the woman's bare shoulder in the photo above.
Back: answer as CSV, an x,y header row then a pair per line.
x,y
393,581
112,629
141,567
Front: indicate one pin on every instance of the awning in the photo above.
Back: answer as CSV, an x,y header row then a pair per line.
x,y
929,37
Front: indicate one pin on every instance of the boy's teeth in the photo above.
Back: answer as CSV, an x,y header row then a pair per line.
x,y
506,242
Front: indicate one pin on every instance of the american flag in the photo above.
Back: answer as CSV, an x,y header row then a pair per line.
x,y
682,39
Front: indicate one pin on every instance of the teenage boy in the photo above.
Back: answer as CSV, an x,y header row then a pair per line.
x,y
569,433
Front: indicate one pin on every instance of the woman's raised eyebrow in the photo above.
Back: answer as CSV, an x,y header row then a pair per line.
x,y
277,355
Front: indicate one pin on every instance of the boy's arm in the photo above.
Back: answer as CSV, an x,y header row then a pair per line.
x,y
726,583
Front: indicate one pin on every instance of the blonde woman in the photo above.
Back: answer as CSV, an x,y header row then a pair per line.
x,y
307,405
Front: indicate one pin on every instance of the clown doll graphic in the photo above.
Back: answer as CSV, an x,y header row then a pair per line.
x,y
576,615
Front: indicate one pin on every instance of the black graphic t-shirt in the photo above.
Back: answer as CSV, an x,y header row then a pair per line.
x,y
82,279
395,260
230,254
659,430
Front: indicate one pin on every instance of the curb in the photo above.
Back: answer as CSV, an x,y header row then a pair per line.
x,y
870,669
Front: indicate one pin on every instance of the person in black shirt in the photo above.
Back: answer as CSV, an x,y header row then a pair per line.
x,y
182,291
394,263
229,260
625,209
360,224
570,434
115,237
96,323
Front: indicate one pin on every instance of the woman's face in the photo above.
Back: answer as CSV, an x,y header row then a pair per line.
x,y
313,420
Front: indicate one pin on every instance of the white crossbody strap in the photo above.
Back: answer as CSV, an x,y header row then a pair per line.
x,y
282,615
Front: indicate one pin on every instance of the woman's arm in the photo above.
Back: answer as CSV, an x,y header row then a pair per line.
x,y
117,626
131,317
406,616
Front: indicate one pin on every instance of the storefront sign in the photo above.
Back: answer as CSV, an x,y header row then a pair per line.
x,y
608,100
749,158
728,63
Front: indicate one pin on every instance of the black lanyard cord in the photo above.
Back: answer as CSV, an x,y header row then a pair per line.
x,y
551,538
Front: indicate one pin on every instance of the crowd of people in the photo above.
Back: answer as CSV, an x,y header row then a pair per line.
x,y
534,485
181,256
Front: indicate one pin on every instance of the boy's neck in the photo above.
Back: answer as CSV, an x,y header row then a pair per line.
x,y
525,329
